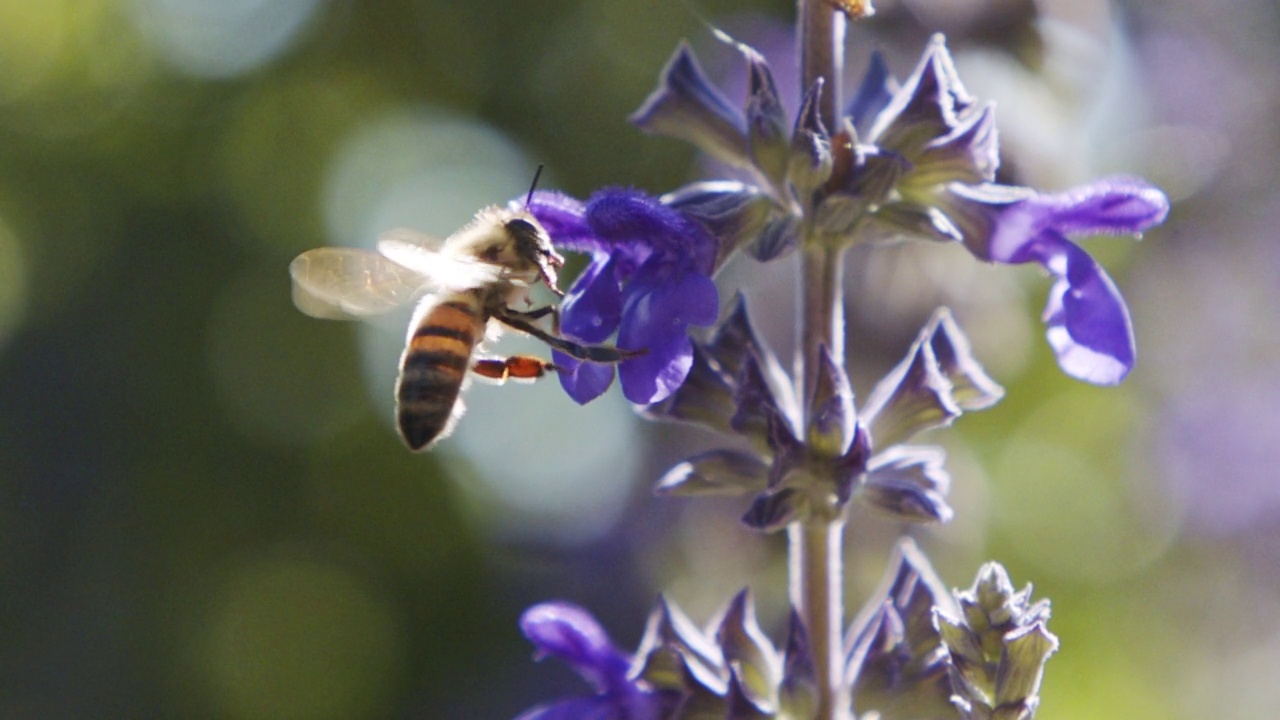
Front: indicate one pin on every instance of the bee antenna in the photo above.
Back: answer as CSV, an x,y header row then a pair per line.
x,y
533,186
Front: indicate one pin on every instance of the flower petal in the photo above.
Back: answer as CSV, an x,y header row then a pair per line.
x,y
592,309
652,377
583,381
1088,322
1108,205
732,211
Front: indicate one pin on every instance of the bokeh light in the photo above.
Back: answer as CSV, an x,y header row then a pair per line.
x,y
224,38
288,637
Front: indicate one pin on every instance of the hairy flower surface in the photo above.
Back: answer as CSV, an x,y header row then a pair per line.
x,y
648,280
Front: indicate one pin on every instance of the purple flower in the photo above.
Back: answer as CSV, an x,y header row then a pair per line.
x,y
570,633
648,280
1088,323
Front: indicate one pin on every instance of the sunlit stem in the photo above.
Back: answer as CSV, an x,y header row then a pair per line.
x,y
816,545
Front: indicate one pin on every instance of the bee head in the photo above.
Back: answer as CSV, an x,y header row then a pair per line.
x,y
533,245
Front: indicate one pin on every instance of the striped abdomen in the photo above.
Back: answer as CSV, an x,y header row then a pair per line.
x,y
434,365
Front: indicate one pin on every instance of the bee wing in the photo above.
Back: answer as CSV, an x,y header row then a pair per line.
x,y
344,283
407,236
440,269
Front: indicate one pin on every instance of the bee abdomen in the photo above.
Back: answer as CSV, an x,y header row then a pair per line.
x,y
432,371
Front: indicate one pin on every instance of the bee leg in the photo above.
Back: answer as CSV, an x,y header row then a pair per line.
x,y
516,367
536,313
591,353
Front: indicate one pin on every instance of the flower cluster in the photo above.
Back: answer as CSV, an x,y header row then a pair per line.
x,y
648,280
738,387
915,160
917,651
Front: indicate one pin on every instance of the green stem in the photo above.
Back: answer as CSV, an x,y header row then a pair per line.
x,y
816,544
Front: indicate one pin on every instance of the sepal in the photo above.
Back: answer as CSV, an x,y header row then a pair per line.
x,y
897,663
774,510
674,655
733,212
705,398
777,239
971,388
913,397
768,136
717,472
751,658
687,106
927,106
874,94
832,420
742,703
970,153
909,483
798,692
811,161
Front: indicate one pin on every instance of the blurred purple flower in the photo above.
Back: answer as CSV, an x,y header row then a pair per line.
x,y
570,633
648,280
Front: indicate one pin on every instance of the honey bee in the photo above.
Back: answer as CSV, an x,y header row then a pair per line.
x,y
466,288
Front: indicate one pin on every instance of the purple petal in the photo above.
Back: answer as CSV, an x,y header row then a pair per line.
x,y
1106,205
655,298
656,319
652,377
570,634
1088,323
592,308
583,381
1112,205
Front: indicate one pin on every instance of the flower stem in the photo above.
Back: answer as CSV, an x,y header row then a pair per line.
x,y
816,545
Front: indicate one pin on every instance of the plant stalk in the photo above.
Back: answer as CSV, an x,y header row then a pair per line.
x,y
815,545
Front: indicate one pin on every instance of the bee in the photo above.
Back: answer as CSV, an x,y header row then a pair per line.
x,y
467,287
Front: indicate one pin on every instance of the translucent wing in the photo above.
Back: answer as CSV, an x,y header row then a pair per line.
x,y
344,283
443,269
413,237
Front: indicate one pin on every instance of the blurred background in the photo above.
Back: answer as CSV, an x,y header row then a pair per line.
x,y
205,511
